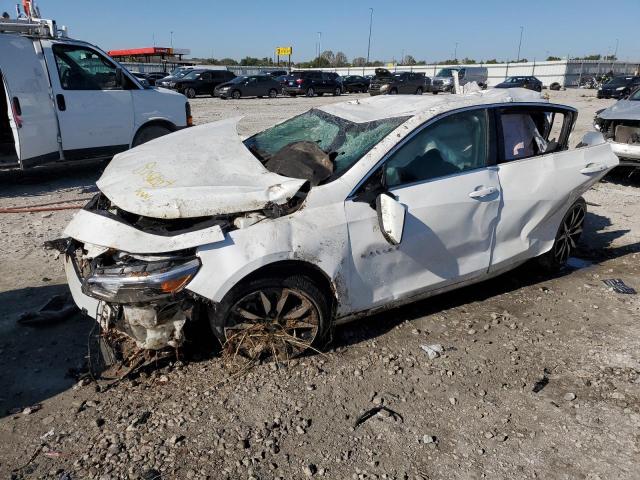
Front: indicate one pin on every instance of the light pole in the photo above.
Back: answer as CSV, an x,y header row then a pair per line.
x,y
520,44
455,52
319,45
370,26
615,52
171,39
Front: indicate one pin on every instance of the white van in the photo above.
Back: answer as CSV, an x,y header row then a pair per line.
x,y
64,100
443,81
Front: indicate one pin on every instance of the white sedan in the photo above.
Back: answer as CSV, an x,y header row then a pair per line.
x,y
345,210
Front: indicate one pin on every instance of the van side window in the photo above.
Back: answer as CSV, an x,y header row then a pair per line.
x,y
529,132
453,144
81,68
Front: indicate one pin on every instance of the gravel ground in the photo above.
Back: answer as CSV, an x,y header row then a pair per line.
x,y
467,414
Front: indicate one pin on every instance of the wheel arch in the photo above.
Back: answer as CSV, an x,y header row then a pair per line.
x,y
160,122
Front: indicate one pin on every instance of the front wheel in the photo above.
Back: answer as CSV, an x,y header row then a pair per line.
x,y
149,133
190,92
273,93
337,92
272,318
310,92
236,94
567,237
419,91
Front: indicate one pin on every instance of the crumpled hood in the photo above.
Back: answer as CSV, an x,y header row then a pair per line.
x,y
200,171
622,110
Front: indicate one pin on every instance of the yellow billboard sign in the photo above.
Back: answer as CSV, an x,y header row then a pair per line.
x,y
284,51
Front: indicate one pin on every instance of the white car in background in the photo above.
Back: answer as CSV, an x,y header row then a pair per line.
x,y
345,210
620,126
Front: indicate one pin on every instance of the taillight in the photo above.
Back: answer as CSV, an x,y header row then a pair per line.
x,y
187,108
299,81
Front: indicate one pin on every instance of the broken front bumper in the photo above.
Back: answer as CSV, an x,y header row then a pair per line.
x,y
150,306
628,154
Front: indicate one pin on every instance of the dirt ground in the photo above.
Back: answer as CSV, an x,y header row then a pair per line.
x,y
468,414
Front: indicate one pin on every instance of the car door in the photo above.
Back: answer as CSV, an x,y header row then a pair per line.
x,y
26,101
539,178
94,111
204,83
442,174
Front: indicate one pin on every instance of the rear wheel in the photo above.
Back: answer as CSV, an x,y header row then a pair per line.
x,y
419,91
272,318
273,93
567,237
236,94
149,133
310,92
190,92
394,91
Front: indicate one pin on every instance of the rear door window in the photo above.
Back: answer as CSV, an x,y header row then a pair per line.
x,y
527,132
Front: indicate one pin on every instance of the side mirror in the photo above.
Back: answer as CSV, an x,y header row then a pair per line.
x,y
119,77
391,215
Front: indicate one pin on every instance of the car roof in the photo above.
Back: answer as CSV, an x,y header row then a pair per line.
x,y
389,106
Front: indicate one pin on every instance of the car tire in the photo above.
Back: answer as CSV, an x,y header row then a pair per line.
x,y
337,92
393,91
254,306
419,91
236,94
190,92
151,132
566,239
273,93
310,92
434,92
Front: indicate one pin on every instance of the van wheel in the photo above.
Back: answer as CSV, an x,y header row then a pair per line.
x,y
272,318
273,93
567,237
149,133
310,92
419,91
236,94
190,92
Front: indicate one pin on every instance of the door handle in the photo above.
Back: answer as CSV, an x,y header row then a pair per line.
x,y
483,192
62,105
593,168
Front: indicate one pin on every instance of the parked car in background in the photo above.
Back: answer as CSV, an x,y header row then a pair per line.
x,y
153,77
279,237
355,84
249,86
529,82
312,82
620,126
180,72
201,82
619,87
387,83
64,100
443,81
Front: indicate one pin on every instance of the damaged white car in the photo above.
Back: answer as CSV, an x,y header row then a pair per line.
x,y
342,211
620,126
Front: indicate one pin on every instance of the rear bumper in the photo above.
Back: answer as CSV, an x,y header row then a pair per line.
x,y
294,90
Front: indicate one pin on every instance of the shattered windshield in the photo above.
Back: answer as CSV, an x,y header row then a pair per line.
x,y
317,146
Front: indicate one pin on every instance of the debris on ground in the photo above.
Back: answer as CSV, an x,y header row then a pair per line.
x,y
540,384
619,286
58,308
433,351
380,409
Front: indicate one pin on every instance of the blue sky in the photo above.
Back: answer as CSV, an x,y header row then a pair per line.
x,y
426,29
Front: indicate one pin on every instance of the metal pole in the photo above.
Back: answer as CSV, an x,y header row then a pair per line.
x,y
455,52
615,52
171,38
370,26
319,46
520,44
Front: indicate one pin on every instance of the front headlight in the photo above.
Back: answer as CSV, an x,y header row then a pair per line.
x,y
384,88
224,88
140,283
620,88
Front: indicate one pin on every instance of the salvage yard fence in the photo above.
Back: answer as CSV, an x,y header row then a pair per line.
x,y
568,73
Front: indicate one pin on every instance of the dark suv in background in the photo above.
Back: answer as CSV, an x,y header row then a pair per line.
x,y
619,87
198,82
529,82
386,83
312,83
